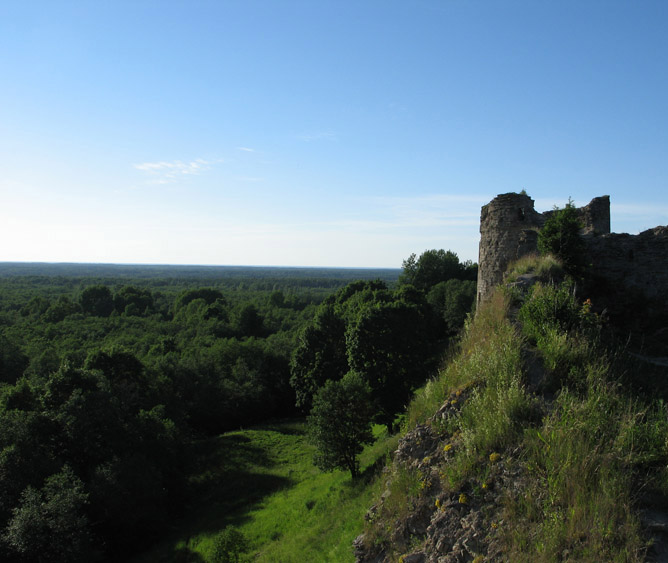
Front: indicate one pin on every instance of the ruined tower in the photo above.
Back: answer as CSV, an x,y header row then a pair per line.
x,y
509,227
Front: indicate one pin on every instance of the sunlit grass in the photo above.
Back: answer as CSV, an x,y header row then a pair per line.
x,y
581,460
262,482
546,268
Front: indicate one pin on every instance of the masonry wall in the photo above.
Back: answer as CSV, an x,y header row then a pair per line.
x,y
627,264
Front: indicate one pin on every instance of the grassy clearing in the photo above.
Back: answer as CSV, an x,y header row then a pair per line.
x,y
262,482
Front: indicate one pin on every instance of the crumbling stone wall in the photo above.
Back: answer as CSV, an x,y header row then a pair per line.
x,y
632,264
509,227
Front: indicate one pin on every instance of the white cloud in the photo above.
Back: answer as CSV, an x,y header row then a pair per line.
x,y
164,172
245,149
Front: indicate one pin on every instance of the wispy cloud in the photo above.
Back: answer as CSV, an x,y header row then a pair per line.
x,y
164,172
245,149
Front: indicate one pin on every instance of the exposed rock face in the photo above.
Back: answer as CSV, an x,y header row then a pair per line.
x,y
442,525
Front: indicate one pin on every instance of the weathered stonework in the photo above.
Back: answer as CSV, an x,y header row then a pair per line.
x,y
638,262
509,227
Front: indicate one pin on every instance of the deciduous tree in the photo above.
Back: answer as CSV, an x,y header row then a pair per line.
x,y
340,423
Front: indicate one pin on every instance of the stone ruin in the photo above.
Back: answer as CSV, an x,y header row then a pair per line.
x,y
625,266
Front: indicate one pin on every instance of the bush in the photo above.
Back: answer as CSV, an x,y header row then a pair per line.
x,y
549,307
560,236
229,546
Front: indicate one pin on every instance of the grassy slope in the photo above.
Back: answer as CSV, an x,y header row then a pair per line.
x,y
262,482
584,446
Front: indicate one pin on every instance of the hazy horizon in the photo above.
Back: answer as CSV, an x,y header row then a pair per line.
x,y
319,134
166,265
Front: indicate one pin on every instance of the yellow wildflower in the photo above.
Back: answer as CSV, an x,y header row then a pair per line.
x,y
463,499
494,457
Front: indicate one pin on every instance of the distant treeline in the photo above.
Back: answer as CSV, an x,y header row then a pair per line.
x,y
303,277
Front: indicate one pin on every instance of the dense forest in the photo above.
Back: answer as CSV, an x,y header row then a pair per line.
x,y
109,375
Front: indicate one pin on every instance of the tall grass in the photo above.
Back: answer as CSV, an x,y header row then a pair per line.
x,y
547,268
474,360
581,454
583,461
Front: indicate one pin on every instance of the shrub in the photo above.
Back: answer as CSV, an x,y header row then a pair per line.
x,y
549,307
560,236
229,546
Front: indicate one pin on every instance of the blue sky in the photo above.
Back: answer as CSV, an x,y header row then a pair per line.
x,y
318,133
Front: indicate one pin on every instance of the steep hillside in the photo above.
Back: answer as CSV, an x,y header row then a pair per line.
x,y
538,442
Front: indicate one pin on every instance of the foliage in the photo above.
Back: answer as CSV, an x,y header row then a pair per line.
x,y
50,524
560,236
389,345
114,378
320,354
12,361
550,307
340,423
97,300
433,267
229,545
388,337
453,300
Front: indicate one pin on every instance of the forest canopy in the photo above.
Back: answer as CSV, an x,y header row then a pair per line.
x,y
109,376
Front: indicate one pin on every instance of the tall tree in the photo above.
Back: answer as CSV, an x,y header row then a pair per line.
x,y
432,267
320,355
390,346
340,423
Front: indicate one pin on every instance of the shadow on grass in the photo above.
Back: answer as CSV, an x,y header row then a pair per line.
x,y
231,479
370,472
185,555
293,427
230,476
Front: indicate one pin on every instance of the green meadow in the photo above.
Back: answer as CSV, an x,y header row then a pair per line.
x,y
262,482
